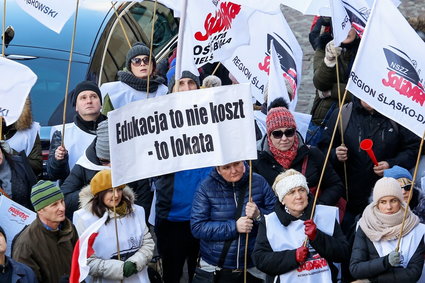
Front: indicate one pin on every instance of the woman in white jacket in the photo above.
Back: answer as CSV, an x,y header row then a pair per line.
x,y
108,264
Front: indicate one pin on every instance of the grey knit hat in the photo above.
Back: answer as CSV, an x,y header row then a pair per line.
x,y
185,75
102,141
211,81
137,49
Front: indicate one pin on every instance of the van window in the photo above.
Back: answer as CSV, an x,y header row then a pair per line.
x,y
137,25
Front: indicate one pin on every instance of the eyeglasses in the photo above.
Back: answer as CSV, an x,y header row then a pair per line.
x,y
289,133
138,61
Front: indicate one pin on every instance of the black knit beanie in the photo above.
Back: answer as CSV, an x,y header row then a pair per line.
x,y
137,49
185,75
86,85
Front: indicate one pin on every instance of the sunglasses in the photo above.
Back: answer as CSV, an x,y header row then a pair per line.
x,y
289,133
138,61
406,187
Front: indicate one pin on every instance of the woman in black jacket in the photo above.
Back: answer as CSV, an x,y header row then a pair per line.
x,y
280,250
374,256
282,148
16,176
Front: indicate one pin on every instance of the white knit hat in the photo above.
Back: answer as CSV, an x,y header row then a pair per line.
x,y
387,186
287,181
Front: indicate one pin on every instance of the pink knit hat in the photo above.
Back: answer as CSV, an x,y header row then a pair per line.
x,y
279,117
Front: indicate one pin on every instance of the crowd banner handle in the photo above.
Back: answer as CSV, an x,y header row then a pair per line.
x,y
1,128
69,73
3,30
120,22
326,161
410,192
180,44
247,234
151,45
216,68
341,125
109,39
116,226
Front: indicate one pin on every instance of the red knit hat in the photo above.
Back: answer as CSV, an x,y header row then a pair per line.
x,y
279,117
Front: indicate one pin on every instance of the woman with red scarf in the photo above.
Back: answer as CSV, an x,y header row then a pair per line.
x,y
284,148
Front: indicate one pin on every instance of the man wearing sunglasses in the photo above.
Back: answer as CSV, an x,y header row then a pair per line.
x,y
132,84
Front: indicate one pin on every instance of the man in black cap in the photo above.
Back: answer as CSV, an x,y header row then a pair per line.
x,y
10,270
79,134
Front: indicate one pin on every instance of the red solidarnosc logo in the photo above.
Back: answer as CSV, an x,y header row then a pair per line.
x,y
405,87
220,22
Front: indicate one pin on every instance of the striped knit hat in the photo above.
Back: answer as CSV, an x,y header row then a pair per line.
x,y
279,117
45,193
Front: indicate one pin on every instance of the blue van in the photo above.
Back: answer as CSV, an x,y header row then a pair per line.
x,y
99,52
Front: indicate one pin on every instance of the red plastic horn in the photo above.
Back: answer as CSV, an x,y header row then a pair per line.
x,y
367,145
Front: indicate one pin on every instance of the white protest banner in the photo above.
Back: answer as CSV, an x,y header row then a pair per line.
x,y
51,13
212,31
251,63
340,22
17,81
13,218
179,131
388,70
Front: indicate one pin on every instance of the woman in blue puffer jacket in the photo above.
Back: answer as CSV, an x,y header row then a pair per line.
x,y
216,220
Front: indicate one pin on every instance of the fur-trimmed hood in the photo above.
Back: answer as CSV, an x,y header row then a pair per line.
x,y
86,196
25,120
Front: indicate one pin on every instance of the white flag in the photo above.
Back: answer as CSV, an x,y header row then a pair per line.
x,y
51,13
276,84
212,31
180,131
358,12
251,63
307,7
340,22
17,81
388,72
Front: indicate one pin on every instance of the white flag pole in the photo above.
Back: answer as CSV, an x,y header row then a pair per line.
x,y
3,32
412,185
180,43
69,73
151,46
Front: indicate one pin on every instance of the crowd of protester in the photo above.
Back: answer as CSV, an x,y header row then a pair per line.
x,y
364,225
